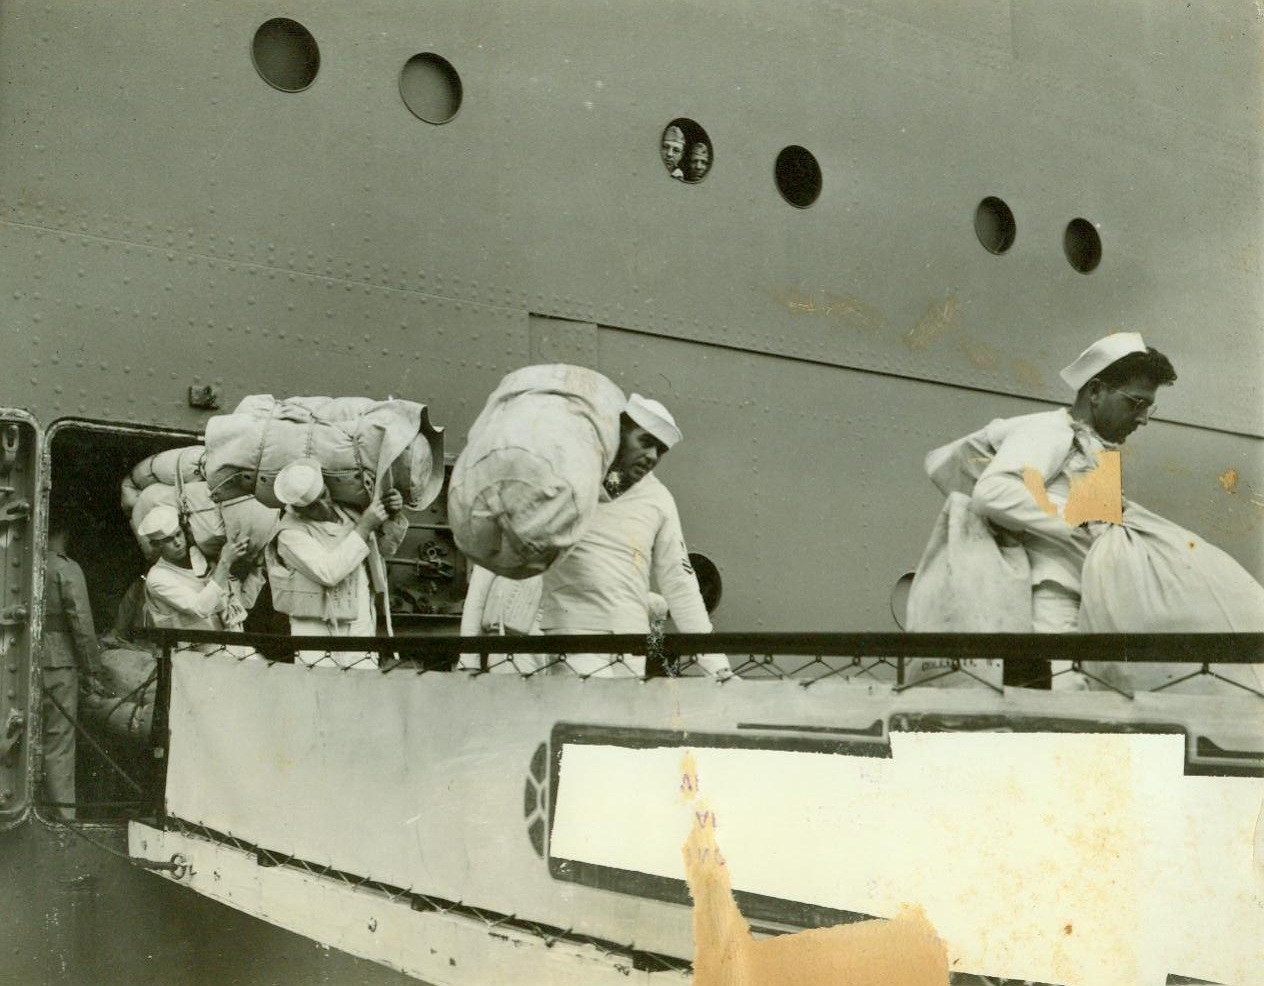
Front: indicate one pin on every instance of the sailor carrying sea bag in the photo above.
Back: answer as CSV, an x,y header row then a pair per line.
x,y
296,593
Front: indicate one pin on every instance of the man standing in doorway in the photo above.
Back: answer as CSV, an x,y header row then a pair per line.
x,y
69,647
602,585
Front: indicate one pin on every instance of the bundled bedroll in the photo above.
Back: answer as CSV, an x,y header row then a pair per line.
x,y
1149,575
163,467
527,481
131,674
361,444
209,523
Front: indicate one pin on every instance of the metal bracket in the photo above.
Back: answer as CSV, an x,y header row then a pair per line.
x,y
206,398
14,730
10,445
428,564
13,616
15,511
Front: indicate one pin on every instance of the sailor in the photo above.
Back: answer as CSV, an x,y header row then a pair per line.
x,y
699,162
602,585
69,647
1026,486
673,149
495,605
182,588
324,563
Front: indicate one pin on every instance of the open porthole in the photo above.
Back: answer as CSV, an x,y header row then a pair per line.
x,y
1082,245
798,176
900,598
431,88
686,150
994,225
285,54
709,582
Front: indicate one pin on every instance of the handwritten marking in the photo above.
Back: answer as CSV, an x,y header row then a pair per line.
x,y
827,305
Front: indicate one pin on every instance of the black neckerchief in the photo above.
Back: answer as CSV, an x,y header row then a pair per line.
x,y
613,485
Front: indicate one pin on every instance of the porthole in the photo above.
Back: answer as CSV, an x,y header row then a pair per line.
x,y
285,54
994,225
1082,245
709,582
798,176
899,599
430,88
686,151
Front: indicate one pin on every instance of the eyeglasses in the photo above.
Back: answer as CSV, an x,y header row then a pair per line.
x,y
1140,405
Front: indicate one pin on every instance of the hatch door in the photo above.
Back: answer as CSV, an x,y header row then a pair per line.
x,y
20,443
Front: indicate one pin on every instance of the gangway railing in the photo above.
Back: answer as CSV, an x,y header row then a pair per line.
x,y
805,659
1199,648
762,655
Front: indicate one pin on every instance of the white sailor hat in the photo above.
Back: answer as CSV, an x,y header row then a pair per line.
x,y
674,133
299,483
654,418
1100,355
161,522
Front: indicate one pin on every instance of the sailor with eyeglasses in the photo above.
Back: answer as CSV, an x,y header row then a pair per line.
x,y
1026,486
1047,487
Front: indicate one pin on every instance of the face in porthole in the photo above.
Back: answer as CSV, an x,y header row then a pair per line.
x,y
673,151
699,162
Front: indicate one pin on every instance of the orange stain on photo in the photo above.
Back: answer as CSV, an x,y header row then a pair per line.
x,y
902,950
1093,496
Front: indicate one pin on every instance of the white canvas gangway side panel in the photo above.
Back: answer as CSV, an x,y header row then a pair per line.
x,y
550,802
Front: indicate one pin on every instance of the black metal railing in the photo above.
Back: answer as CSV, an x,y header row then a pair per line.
x,y
1140,648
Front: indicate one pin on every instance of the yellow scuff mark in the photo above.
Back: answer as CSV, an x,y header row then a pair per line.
x,y
1229,480
793,300
938,320
853,310
903,950
1035,484
1028,374
1097,495
980,354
